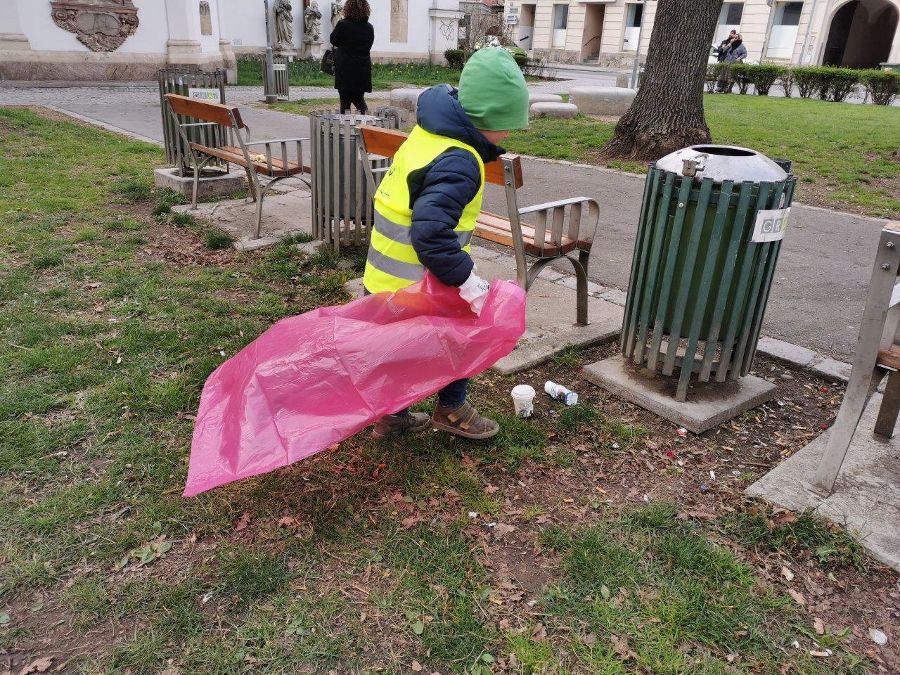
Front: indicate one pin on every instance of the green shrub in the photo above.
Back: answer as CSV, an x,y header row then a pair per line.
x,y
764,76
740,75
882,86
456,58
808,80
828,82
837,83
712,76
787,80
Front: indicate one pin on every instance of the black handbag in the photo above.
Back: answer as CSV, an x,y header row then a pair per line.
x,y
328,62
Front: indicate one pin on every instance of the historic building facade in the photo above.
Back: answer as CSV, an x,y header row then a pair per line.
x,y
854,33
77,40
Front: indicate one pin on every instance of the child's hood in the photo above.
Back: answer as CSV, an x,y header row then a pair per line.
x,y
439,112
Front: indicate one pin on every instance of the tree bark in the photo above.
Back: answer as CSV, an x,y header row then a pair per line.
x,y
667,113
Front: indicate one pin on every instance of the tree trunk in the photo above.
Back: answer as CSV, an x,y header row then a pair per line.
x,y
667,113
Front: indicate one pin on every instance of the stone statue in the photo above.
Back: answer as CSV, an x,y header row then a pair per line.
x,y
284,24
312,18
337,9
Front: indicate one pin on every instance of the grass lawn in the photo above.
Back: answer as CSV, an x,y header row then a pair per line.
x,y
845,155
384,75
587,539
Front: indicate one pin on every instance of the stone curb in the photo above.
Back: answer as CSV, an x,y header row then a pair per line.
x,y
794,355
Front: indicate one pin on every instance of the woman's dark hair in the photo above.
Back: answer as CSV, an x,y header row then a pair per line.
x,y
357,10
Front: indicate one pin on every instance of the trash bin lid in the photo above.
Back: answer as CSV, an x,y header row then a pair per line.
x,y
722,162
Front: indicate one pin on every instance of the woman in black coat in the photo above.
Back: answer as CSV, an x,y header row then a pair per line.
x,y
352,40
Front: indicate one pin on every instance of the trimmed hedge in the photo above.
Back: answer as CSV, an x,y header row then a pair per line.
x,y
826,82
881,85
456,58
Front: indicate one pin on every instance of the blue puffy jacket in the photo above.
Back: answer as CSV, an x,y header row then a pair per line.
x,y
439,192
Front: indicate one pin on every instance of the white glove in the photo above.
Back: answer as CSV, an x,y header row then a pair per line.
x,y
474,290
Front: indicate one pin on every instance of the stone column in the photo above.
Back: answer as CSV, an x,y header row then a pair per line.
x,y
183,19
12,39
229,60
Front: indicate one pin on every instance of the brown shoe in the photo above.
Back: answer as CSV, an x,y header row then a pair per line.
x,y
464,421
391,425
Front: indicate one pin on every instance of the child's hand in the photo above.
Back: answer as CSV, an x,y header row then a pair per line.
x,y
474,291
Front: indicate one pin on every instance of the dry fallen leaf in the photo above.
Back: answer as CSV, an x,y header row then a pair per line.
x,y
539,632
416,667
410,521
819,625
787,574
242,522
37,666
797,596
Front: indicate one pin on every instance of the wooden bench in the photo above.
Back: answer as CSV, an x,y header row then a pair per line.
x,y
877,353
555,229
275,167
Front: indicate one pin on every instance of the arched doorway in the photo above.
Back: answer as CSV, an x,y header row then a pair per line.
x,y
861,34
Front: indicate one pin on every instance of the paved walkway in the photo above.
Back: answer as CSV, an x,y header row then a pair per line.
x,y
821,279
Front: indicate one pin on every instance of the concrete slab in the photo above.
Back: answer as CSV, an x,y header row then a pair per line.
x,y
554,110
544,98
866,497
214,186
550,321
708,404
602,100
285,214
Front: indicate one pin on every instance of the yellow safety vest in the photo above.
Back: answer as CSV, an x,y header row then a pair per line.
x,y
392,262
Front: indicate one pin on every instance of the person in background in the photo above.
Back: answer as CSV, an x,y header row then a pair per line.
x,y
735,53
352,39
427,205
722,49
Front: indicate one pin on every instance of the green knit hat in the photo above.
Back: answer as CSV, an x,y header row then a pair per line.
x,y
492,91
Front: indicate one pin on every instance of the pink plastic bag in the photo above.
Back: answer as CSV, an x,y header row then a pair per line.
x,y
311,381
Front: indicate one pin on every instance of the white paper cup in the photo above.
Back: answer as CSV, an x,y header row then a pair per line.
x,y
523,400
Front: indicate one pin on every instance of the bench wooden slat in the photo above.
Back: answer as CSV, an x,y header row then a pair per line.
x,y
890,358
236,156
495,228
208,112
386,142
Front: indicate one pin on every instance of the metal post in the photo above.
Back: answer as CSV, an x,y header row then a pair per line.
x,y
269,83
637,52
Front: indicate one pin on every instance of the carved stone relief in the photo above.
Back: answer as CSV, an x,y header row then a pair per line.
x,y
100,25
399,20
205,19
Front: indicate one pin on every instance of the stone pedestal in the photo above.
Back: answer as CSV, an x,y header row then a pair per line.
x,y
708,405
217,186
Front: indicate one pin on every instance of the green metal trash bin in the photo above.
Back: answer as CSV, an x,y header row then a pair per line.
x,y
710,230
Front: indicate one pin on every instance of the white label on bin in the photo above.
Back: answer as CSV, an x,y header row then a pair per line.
x,y
771,225
204,94
279,67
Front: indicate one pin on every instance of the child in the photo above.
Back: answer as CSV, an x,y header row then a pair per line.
x,y
426,206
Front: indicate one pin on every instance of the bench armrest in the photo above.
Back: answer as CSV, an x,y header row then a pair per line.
x,y
555,205
273,141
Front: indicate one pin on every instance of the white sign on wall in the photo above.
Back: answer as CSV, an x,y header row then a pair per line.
x,y
211,95
771,225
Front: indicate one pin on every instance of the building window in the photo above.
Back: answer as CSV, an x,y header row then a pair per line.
x,y
560,23
634,14
729,20
732,12
785,25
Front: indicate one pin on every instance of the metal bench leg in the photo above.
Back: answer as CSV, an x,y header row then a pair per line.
x,y
259,203
890,407
580,266
198,167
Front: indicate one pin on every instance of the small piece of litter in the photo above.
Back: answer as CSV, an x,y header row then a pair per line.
x,y
473,514
878,637
682,432
795,644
